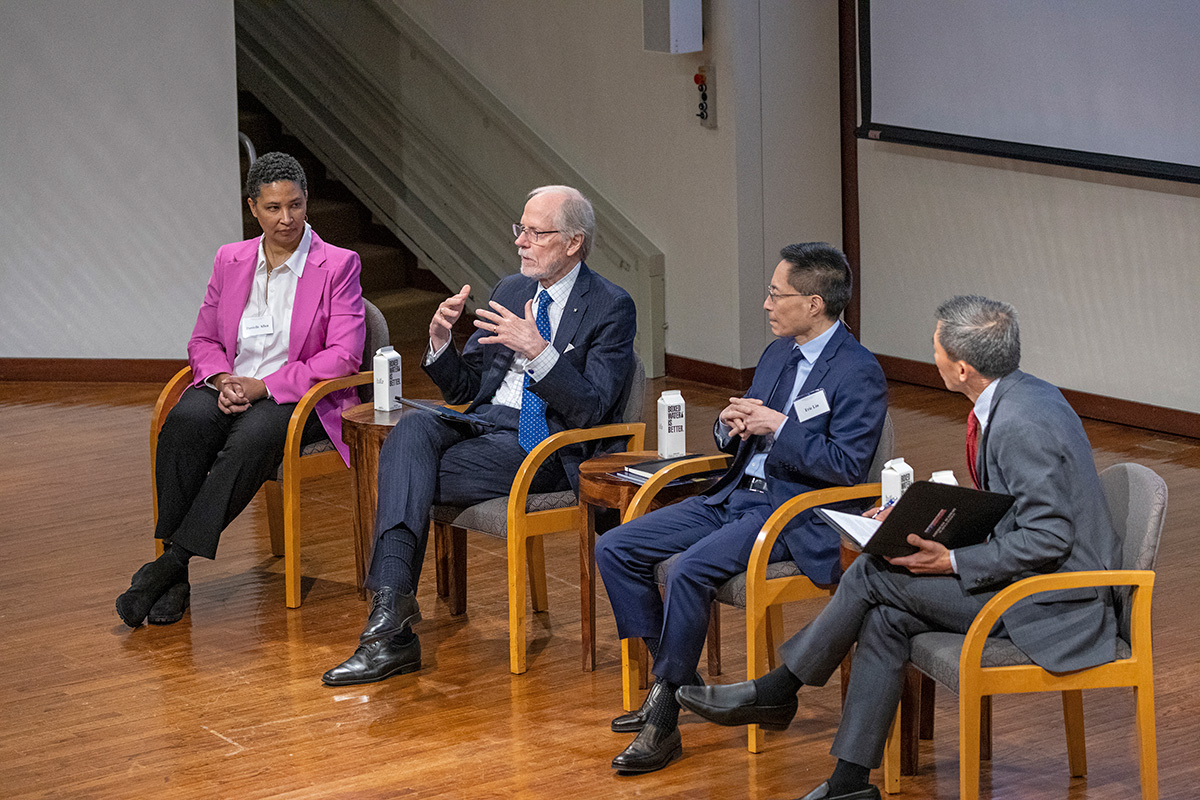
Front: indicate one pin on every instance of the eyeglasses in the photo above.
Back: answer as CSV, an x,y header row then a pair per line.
x,y
534,236
773,294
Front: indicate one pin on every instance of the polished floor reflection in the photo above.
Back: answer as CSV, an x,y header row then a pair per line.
x,y
228,702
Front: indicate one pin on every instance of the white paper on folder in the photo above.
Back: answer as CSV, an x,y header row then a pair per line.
x,y
856,526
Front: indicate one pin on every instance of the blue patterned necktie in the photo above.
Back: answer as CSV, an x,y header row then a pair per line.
x,y
532,427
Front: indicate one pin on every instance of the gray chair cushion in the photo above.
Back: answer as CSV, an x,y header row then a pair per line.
x,y
491,516
323,446
937,654
733,591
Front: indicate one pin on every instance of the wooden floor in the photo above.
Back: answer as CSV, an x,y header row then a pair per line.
x,y
228,703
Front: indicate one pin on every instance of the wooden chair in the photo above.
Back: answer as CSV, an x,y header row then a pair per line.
x,y
523,519
978,667
320,458
764,587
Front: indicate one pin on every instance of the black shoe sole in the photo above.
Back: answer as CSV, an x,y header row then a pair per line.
x,y
655,767
403,669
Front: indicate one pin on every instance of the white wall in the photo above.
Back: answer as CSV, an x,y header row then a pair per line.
x,y
1104,269
118,160
719,203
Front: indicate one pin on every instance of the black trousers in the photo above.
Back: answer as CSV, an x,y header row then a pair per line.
x,y
210,464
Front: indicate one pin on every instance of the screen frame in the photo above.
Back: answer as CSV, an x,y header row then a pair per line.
x,y
870,130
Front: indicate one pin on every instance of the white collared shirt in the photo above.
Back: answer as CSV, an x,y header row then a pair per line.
x,y
272,295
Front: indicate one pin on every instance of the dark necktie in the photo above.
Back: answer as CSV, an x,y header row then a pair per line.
x,y
973,447
787,380
532,428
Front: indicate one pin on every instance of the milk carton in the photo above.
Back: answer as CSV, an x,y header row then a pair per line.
x,y
387,379
944,476
897,476
672,439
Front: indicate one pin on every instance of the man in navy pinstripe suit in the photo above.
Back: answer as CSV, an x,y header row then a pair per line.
x,y
553,350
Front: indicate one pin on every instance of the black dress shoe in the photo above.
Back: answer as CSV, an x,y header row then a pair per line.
x,y
374,662
736,704
652,750
149,583
634,720
169,608
391,613
822,793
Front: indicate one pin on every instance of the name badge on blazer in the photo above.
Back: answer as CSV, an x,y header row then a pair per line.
x,y
813,404
257,326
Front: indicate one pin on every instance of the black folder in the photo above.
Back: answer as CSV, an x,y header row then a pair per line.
x,y
954,516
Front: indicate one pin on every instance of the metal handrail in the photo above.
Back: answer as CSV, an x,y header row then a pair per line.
x,y
251,155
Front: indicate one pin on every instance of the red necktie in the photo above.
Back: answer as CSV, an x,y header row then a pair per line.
x,y
973,447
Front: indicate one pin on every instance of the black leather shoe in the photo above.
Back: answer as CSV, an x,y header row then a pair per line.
x,y
652,750
169,608
634,720
374,662
391,613
736,704
149,583
822,793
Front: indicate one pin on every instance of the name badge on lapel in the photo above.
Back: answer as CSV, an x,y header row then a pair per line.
x,y
813,404
257,326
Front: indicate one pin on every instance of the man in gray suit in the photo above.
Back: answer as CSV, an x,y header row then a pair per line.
x,y
1028,443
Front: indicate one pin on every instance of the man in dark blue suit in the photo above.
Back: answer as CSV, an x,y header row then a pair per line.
x,y
811,419
553,351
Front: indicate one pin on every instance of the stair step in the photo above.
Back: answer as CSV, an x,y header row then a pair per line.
x,y
384,267
337,221
407,311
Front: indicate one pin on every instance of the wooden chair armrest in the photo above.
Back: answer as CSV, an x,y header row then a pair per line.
x,y
650,489
756,569
989,615
634,431
167,399
317,392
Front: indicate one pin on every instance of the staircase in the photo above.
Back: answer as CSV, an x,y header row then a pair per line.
x,y
391,278
429,150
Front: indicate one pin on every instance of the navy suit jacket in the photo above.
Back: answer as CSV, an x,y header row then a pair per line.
x,y
833,449
589,384
1034,448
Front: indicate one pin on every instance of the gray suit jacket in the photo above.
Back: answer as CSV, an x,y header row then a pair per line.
x,y
1035,449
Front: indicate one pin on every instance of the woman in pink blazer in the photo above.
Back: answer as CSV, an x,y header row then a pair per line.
x,y
282,311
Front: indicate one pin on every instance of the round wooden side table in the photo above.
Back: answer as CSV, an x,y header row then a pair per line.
x,y
363,431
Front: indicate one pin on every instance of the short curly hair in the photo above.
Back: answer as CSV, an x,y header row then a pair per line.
x,y
271,167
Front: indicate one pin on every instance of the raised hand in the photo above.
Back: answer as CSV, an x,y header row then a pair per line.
x,y
519,334
445,317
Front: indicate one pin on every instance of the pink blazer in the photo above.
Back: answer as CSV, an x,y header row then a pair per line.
x,y
326,337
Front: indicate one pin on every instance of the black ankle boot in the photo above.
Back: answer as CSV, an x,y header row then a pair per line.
x,y
149,584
